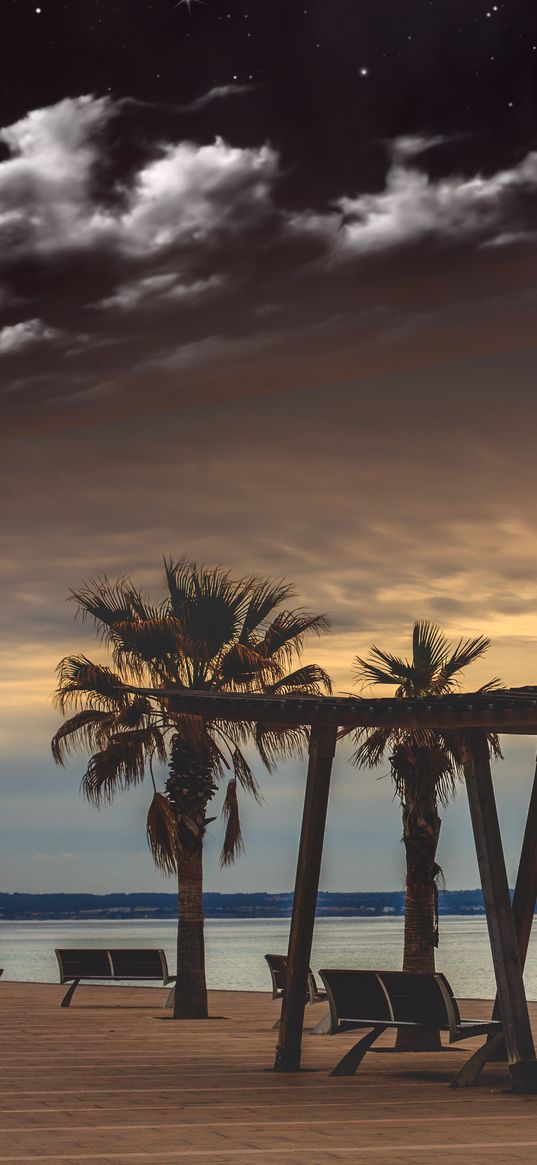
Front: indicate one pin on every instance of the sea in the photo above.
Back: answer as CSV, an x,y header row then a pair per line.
x,y
235,948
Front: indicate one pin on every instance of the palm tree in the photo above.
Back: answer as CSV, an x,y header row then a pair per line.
x,y
425,767
211,633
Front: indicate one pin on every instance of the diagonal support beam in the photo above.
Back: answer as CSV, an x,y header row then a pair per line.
x,y
524,900
501,925
321,755
525,895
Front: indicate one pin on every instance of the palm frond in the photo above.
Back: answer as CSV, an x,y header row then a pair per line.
x,y
492,685
135,714
238,732
210,605
179,583
284,638
242,666
106,602
104,776
371,746
265,597
83,731
244,774
382,668
121,764
465,653
138,642
429,645
310,680
233,842
162,837
279,744
82,682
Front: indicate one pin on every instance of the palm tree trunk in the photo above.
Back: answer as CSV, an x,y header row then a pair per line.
x,y
190,1001
421,831
190,787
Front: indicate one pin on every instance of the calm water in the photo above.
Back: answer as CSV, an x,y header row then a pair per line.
x,y
235,948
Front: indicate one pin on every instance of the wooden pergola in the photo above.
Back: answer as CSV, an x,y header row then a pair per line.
x,y
472,717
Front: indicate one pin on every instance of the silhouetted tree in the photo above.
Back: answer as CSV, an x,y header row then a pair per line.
x,y
212,633
425,768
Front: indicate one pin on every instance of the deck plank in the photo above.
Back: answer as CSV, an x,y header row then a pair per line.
x,y
113,1080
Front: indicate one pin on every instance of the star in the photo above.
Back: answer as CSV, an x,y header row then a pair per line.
x,y
364,71
188,3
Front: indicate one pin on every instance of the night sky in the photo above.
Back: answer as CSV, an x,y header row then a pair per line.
x,y
267,299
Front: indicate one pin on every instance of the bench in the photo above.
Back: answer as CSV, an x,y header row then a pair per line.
x,y
125,963
278,973
393,999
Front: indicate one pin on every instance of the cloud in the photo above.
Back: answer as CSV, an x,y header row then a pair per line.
x,y
159,288
218,93
416,209
216,350
198,242
47,194
46,203
16,337
198,104
187,194
191,192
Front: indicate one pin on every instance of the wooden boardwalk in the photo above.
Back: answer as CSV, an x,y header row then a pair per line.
x,y
113,1081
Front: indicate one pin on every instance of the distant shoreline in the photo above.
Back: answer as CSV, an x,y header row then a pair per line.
x,y
18,907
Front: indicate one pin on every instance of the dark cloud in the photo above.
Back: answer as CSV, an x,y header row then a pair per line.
x,y
189,270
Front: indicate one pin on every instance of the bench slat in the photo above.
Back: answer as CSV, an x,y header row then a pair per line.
x,y
79,963
145,963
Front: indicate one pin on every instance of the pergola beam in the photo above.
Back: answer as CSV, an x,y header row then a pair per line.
x,y
511,711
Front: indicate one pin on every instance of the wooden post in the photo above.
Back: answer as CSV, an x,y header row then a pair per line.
x,y
525,895
321,755
500,920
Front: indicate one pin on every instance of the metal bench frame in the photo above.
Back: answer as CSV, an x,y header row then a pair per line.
x,y
457,1028
109,952
277,965
314,994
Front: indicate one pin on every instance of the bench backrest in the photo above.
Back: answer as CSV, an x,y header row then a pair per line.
x,y
392,996
121,963
138,963
355,995
83,964
423,999
278,972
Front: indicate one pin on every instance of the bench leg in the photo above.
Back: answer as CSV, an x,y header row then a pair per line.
x,y
170,998
69,993
324,1026
470,1072
348,1065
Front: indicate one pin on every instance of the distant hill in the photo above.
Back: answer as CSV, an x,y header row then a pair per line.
x,y
261,905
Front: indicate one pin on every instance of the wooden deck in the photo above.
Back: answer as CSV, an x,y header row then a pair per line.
x,y
112,1081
